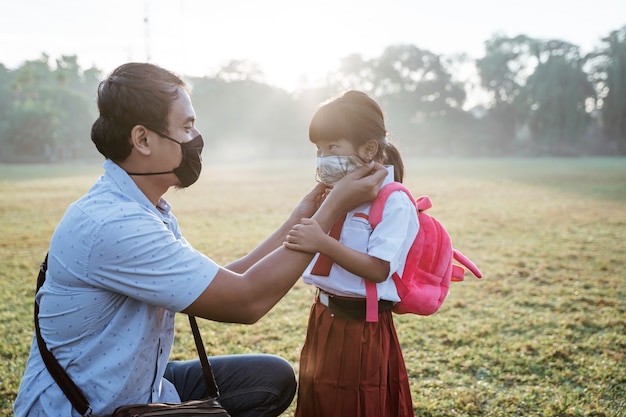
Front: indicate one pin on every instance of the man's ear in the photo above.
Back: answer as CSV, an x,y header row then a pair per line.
x,y
139,139
371,149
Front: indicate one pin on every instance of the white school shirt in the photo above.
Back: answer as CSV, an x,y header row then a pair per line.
x,y
389,241
118,270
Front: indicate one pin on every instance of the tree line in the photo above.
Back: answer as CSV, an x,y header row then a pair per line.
x,y
543,97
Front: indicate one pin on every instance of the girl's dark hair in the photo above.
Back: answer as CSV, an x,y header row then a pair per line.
x,y
358,118
134,94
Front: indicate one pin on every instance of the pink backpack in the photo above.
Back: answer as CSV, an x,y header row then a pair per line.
x,y
428,270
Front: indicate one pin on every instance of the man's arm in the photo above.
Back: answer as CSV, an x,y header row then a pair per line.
x,y
307,207
246,297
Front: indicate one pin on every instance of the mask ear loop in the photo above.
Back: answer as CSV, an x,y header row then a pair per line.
x,y
361,160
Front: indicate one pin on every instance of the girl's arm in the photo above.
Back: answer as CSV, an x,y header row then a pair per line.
x,y
309,237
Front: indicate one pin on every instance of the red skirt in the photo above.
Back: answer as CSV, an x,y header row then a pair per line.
x,y
352,368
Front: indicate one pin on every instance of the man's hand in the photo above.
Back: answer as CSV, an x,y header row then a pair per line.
x,y
310,202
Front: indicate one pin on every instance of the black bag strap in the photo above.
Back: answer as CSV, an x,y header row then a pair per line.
x,y
207,371
71,391
69,388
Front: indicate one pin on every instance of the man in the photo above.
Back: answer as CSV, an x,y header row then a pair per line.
x,y
119,268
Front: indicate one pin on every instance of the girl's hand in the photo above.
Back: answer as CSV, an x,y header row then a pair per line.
x,y
306,236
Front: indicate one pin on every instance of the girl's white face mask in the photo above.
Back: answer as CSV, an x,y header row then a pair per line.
x,y
330,169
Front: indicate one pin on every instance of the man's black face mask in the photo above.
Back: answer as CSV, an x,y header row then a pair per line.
x,y
189,169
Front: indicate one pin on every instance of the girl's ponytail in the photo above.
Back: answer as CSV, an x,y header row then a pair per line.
x,y
392,157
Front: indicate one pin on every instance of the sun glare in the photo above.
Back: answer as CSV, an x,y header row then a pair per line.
x,y
293,44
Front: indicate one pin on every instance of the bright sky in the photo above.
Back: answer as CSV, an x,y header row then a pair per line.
x,y
290,39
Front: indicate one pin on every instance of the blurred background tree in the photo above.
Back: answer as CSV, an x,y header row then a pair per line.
x,y
47,112
608,72
543,98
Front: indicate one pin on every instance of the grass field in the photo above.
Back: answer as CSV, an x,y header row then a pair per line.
x,y
542,334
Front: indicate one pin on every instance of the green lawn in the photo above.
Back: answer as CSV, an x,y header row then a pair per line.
x,y
542,334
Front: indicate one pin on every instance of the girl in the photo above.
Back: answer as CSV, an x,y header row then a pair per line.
x,y
349,366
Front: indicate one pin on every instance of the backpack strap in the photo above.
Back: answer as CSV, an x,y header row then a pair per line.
x,y
465,261
423,203
376,210
375,217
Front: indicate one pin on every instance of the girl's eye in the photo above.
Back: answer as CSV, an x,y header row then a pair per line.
x,y
326,149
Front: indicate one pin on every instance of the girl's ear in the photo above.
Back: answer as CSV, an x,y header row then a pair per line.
x,y
139,139
370,149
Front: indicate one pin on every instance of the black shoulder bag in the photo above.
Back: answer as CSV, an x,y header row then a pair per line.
x,y
209,406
